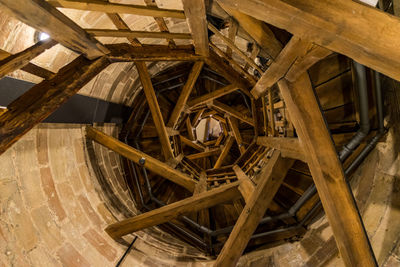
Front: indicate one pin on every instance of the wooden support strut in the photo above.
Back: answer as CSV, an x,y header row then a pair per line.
x,y
327,172
154,165
164,214
290,147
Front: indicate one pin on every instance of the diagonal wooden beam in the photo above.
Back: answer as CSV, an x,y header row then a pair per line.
x,y
43,16
195,12
21,59
125,52
346,27
232,112
232,32
246,186
258,30
190,130
104,6
136,34
192,144
30,68
234,125
150,163
297,54
154,109
272,176
290,147
44,98
185,93
213,95
327,172
224,152
164,214
207,153
121,25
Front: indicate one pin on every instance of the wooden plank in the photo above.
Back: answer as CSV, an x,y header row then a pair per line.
x,y
371,37
154,109
189,128
257,29
121,25
295,49
271,112
327,172
30,68
232,46
192,144
232,112
290,147
213,95
224,153
195,12
21,59
234,125
272,176
232,32
107,7
185,93
125,52
164,214
204,214
43,16
206,153
44,98
246,186
135,155
137,34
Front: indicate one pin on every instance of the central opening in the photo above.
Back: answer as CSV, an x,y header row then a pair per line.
x,y
208,129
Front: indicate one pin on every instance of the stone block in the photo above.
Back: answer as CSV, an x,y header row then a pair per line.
x,y
70,257
100,244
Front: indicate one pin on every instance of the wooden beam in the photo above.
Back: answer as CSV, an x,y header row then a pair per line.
x,y
271,177
43,16
185,93
290,147
258,30
137,156
206,153
234,125
30,68
137,34
164,214
21,59
154,109
271,112
246,186
232,112
192,144
346,27
44,98
232,46
189,128
121,25
224,153
327,172
125,52
195,12
107,7
213,95
232,32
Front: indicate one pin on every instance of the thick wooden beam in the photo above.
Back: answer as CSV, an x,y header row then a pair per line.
x,y
258,30
327,172
121,25
103,6
21,59
44,98
271,178
30,68
164,214
290,147
232,112
192,144
213,95
150,163
43,16
246,186
189,128
195,11
206,153
234,125
137,34
232,46
185,93
154,109
224,153
363,33
125,52
232,32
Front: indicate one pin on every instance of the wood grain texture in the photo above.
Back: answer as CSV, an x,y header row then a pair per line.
x,y
290,147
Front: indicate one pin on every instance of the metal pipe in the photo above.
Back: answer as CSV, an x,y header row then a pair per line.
x,y
361,85
126,252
